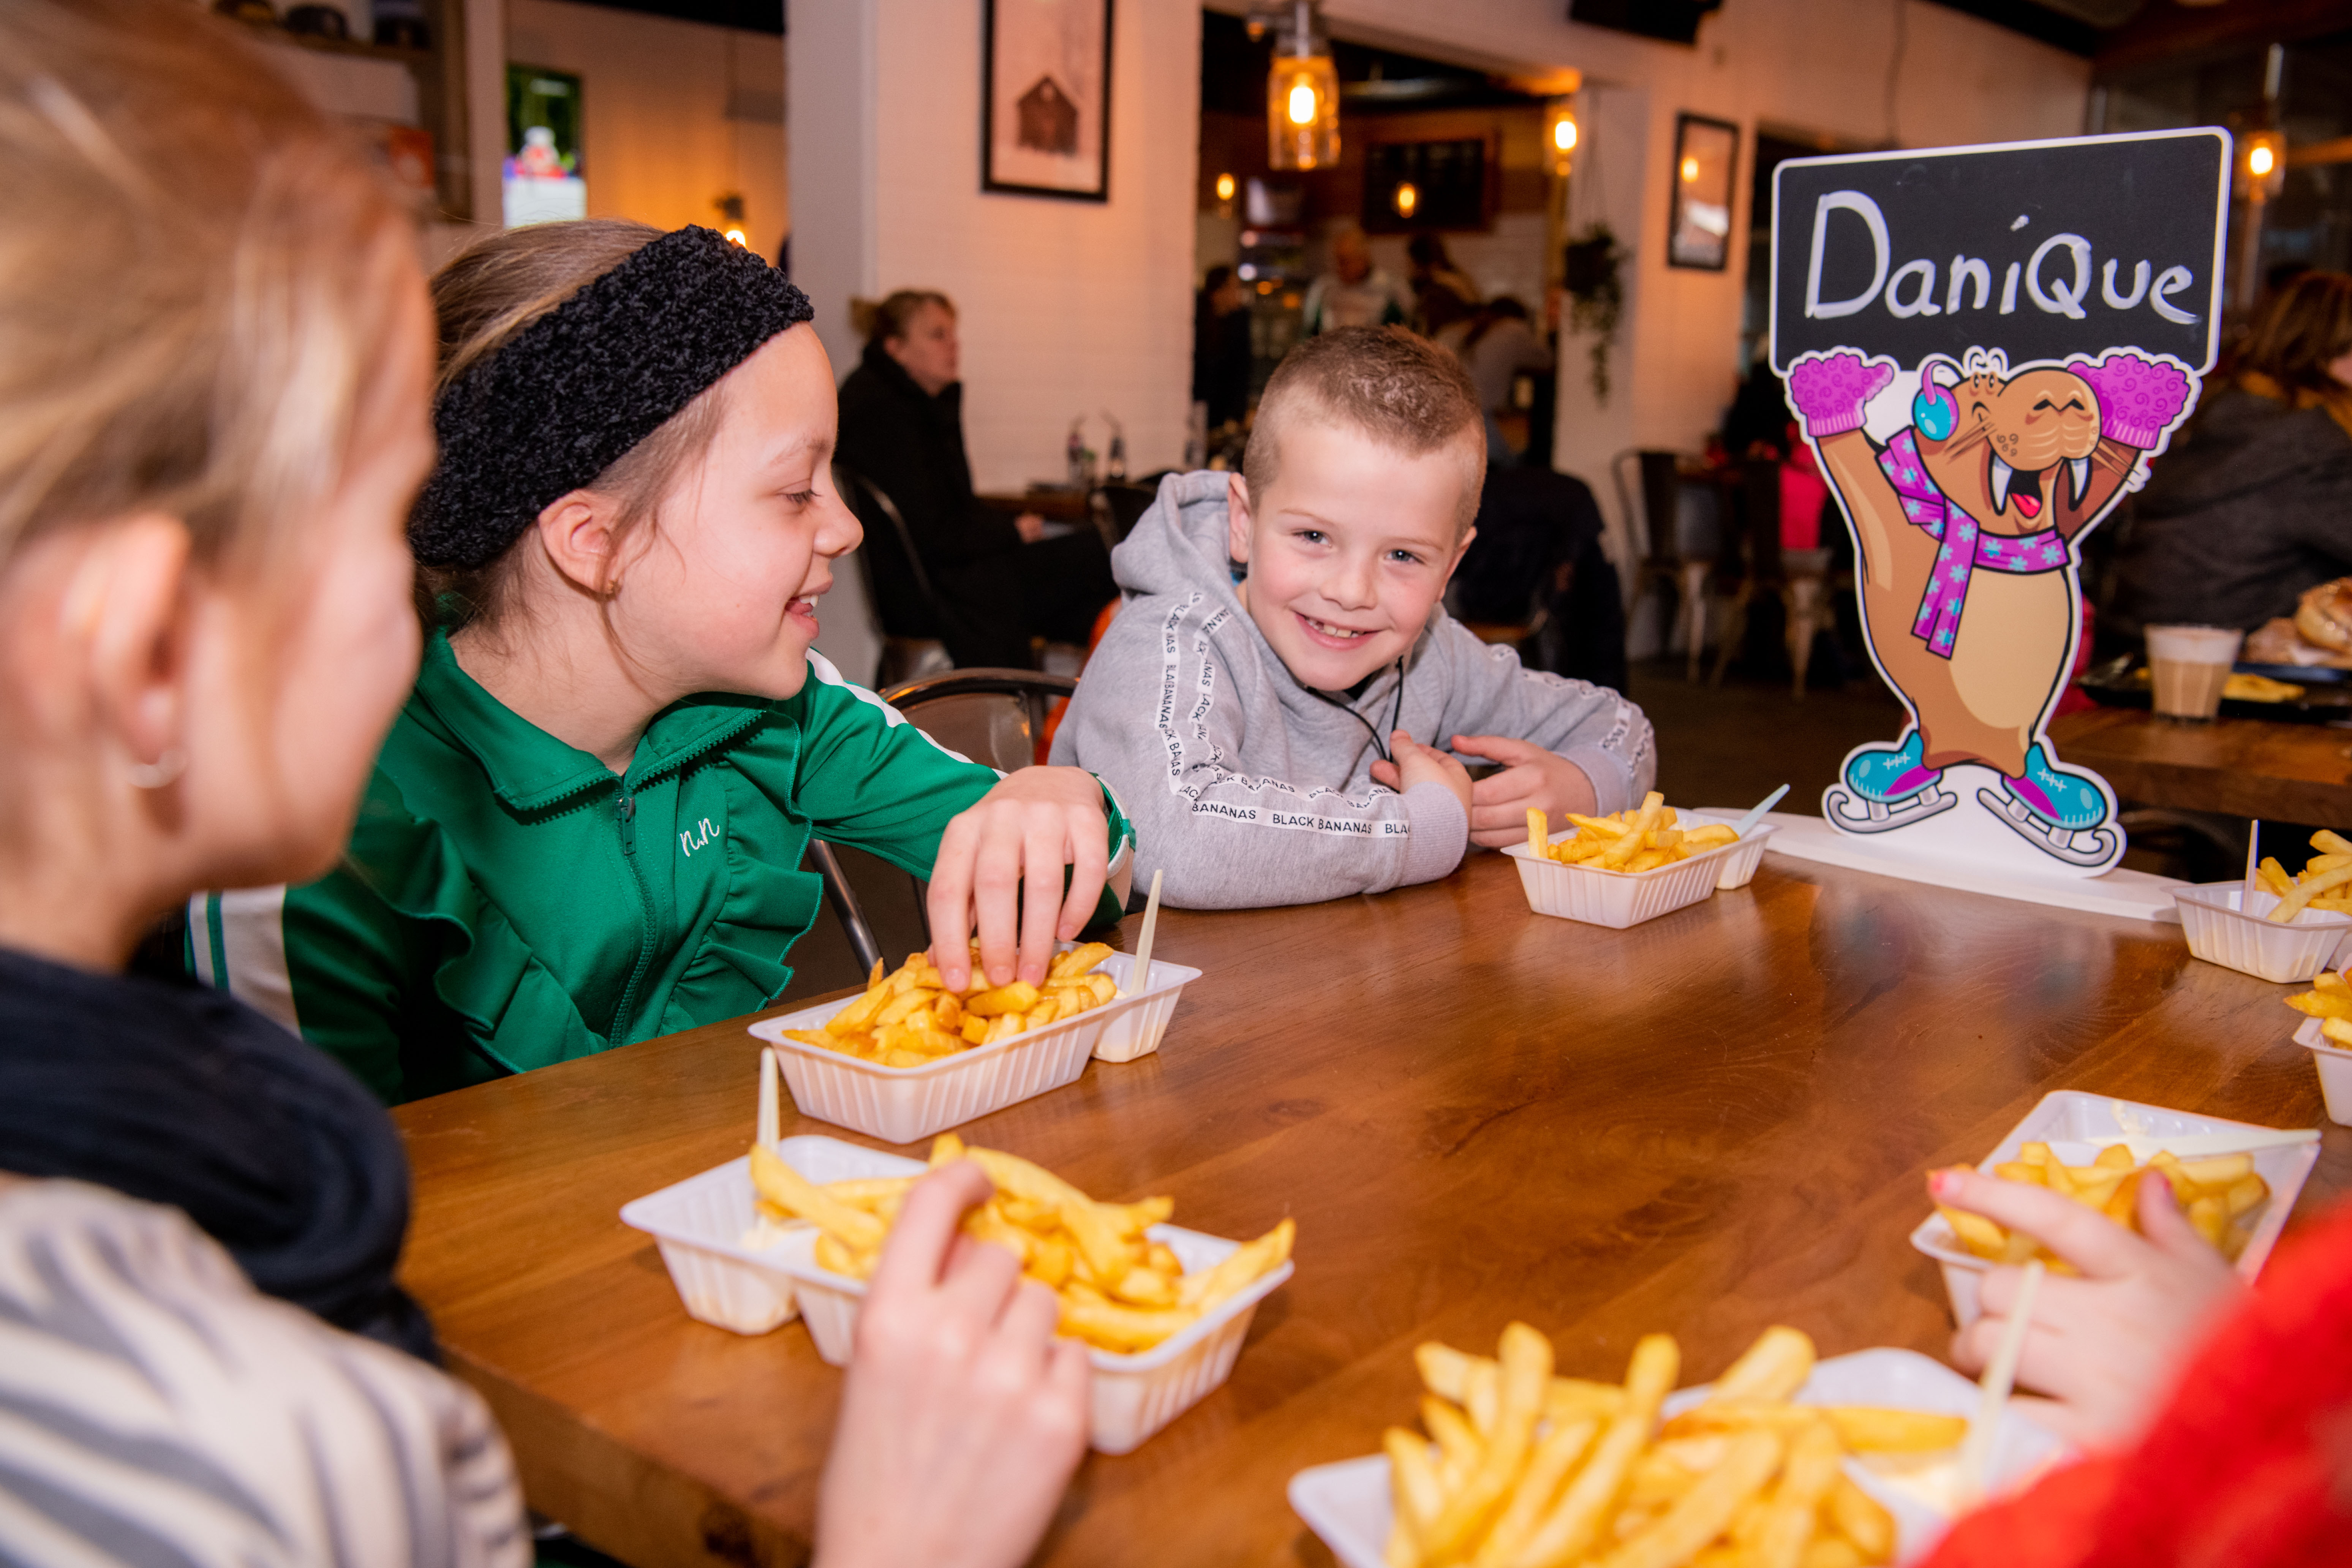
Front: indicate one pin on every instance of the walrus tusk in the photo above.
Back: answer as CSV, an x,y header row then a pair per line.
x,y
2002,474
2081,469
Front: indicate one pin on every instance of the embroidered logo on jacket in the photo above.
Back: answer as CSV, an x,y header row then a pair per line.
x,y
691,839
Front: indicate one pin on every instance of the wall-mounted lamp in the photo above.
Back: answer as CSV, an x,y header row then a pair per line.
x,y
1225,187
1407,198
1560,136
1302,94
2261,165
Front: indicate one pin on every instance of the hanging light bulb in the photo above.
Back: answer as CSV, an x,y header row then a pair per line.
x,y
1408,197
1302,95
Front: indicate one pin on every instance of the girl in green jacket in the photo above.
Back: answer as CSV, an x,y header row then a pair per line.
x,y
585,827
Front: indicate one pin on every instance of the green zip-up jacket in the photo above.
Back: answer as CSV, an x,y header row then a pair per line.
x,y
507,902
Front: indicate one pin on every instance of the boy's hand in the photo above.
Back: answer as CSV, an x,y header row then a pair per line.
x,y
963,1416
1418,764
1531,777
1024,831
2107,1347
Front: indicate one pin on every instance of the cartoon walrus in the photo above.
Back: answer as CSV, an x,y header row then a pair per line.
x,y
1964,525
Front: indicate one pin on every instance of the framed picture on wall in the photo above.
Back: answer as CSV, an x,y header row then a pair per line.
x,y
1044,99
1707,155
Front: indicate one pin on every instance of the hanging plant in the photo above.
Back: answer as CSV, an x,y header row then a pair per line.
x,y
1596,296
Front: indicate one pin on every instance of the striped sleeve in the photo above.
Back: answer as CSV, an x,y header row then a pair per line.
x,y
155,1409
237,942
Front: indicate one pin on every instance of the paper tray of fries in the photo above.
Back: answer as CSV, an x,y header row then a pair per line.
x,y
716,1216
1350,1505
1598,892
2222,928
2076,1127
905,1104
2335,1064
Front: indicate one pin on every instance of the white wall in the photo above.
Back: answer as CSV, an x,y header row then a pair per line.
x,y
658,142
1064,307
1817,66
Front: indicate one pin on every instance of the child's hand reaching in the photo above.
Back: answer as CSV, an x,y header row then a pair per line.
x,y
1035,822
963,1415
2107,1345
1418,764
1531,777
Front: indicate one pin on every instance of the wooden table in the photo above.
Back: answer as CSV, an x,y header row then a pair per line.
x,y
1709,1124
2238,767
1053,506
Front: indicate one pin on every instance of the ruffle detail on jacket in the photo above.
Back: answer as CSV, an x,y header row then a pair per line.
x,y
770,901
516,1011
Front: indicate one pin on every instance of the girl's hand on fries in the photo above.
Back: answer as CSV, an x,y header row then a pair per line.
x,y
1532,778
2106,1341
1026,830
963,1415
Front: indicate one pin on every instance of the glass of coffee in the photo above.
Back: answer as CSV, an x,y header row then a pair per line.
x,y
2188,666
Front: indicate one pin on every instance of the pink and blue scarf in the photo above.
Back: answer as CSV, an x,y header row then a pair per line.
x,y
1962,547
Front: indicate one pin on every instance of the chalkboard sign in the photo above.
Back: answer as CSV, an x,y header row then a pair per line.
x,y
2039,248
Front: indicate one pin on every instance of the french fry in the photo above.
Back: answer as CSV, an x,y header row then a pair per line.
x,y
2110,1183
1632,841
1747,1480
2323,883
907,1018
1629,842
788,1189
1119,1291
1789,1523
1574,1521
1702,1513
1862,1520
1525,1363
1770,1369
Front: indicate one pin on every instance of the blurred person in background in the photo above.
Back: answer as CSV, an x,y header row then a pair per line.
x,y
2253,503
1002,580
1221,347
1354,292
1497,344
1442,293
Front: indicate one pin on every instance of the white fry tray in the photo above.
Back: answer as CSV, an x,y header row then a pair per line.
x,y
904,1105
2067,1120
706,1228
1621,899
1348,1503
2335,1065
2220,932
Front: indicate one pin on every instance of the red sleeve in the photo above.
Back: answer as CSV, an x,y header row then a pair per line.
x,y
2250,1466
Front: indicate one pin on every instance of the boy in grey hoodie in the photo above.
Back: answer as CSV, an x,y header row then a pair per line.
x,y
1256,701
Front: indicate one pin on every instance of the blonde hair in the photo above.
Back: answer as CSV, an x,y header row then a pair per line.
x,y
1404,393
481,298
197,277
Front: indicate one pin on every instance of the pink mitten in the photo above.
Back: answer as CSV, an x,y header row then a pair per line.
x,y
2137,397
1829,390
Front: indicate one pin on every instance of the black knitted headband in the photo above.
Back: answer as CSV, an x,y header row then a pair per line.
x,y
573,392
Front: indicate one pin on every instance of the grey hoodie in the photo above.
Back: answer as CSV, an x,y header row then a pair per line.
x,y
1248,789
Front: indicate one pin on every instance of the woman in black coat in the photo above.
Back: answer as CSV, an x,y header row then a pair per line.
x,y
2253,504
999,581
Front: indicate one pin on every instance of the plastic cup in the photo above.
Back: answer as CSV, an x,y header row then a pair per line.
x,y
2189,665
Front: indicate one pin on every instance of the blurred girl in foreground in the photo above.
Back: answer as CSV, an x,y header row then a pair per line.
x,y
214,356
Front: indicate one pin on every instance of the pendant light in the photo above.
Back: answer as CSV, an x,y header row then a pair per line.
x,y
1302,94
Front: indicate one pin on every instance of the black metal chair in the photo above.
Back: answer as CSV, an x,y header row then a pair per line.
x,y
915,619
1662,563
992,716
